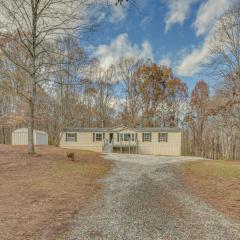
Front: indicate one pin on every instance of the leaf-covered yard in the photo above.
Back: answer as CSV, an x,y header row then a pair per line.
x,y
217,182
39,194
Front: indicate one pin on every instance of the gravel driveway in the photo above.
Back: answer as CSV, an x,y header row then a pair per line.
x,y
144,199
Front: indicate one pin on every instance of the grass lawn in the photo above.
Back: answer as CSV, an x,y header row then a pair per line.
x,y
40,194
217,182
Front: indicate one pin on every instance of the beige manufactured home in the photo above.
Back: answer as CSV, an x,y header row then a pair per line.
x,y
152,141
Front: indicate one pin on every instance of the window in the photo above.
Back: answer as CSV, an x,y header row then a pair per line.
x,y
127,137
71,137
133,137
147,137
162,137
98,137
136,136
118,137
121,136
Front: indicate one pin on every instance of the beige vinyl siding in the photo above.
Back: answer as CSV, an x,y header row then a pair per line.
x,y
84,142
155,147
170,148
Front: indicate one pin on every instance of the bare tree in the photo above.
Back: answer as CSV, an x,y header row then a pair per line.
x,y
130,84
103,82
68,79
175,101
31,27
225,53
225,60
197,117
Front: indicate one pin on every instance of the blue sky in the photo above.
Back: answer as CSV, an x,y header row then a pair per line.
x,y
172,32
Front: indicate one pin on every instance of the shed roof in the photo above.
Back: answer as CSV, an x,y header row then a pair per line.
x,y
25,130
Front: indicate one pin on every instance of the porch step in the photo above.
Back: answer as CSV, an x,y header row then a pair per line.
x,y
108,148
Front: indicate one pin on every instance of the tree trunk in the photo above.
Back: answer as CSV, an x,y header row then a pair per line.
x,y
31,107
33,83
3,134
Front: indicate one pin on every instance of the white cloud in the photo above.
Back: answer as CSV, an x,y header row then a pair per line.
x,y
121,47
192,62
114,13
118,14
101,12
145,21
208,13
165,61
178,11
206,20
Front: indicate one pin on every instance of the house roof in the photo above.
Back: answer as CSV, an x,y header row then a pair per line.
x,y
120,128
159,129
86,129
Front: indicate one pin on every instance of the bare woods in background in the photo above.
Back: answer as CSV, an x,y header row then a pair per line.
x,y
70,89
29,35
213,124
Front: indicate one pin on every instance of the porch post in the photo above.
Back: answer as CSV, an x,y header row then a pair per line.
x,y
129,147
137,145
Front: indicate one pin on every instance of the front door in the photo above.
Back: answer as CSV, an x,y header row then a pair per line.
x,y
110,137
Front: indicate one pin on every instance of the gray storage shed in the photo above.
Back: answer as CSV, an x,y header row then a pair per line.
x,y
20,137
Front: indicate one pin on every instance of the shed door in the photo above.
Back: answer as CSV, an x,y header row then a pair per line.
x,y
41,139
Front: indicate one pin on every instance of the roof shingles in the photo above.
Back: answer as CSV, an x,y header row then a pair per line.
x,y
139,129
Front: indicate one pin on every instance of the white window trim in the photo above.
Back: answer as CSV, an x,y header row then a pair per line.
x,y
72,138
163,138
98,139
129,137
147,139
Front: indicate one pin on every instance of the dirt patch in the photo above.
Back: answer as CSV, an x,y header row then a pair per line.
x,y
217,182
40,194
